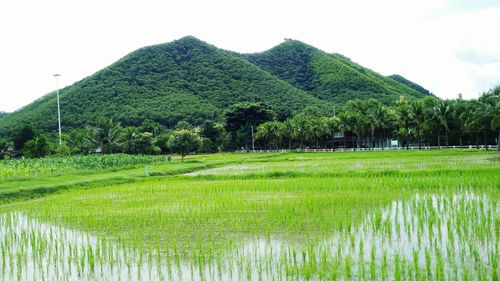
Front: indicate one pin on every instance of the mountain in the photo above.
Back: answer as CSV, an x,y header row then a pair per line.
x,y
329,77
3,114
410,84
186,79
191,80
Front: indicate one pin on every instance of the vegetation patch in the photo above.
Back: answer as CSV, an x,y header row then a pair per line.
x,y
328,216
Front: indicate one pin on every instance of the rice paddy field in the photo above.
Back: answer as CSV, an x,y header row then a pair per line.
x,y
394,215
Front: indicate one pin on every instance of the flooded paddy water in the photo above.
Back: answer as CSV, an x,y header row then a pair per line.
x,y
452,236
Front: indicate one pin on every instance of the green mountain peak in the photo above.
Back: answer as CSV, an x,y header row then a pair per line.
x,y
330,77
189,79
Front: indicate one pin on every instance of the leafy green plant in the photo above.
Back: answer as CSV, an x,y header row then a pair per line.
x,y
184,142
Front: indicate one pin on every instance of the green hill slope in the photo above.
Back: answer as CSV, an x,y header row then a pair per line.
x,y
410,84
186,79
190,80
330,77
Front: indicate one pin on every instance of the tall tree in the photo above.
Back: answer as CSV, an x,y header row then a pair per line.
x,y
354,122
495,126
106,135
144,143
78,141
472,119
215,134
38,147
418,116
287,131
405,120
26,133
151,127
5,144
404,134
184,142
344,127
443,113
378,117
318,128
491,109
269,132
300,125
332,127
243,118
360,111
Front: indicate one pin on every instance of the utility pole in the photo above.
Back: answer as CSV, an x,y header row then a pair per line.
x,y
253,141
58,108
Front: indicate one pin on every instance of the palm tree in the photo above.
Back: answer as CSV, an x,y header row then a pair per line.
x,y
491,109
287,131
354,122
105,135
404,134
494,100
343,127
442,112
318,128
472,119
379,118
332,126
417,114
269,132
361,126
263,133
276,133
495,126
347,121
362,110
300,124
405,119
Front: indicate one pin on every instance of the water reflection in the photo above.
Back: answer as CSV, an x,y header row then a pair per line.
x,y
429,237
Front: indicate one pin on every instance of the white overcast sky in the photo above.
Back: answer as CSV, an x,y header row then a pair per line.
x,y
447,46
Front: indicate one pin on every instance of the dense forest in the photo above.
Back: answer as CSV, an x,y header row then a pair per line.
x,y
410,84
188,96
190,80
248,125
330,77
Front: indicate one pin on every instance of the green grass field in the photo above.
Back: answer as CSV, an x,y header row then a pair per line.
x,y
398,215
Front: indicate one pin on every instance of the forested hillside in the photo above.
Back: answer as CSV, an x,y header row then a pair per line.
x,y
190,80
330,77
410,84
183,80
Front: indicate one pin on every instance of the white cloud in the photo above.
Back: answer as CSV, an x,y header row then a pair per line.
x,y
447,46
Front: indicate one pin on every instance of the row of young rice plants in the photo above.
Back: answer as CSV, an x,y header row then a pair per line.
x,y
314,164
436,224
390,245
33,178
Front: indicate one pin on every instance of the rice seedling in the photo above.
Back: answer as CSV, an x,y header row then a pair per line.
x,y
428,216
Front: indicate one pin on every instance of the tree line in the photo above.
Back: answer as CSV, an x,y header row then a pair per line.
x,y
418,122
360,123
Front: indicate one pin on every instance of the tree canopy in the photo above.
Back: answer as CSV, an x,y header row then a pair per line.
x,y
184,142
190,80
361,124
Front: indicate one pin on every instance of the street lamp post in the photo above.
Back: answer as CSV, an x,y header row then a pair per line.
x,y
58,107
253,140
